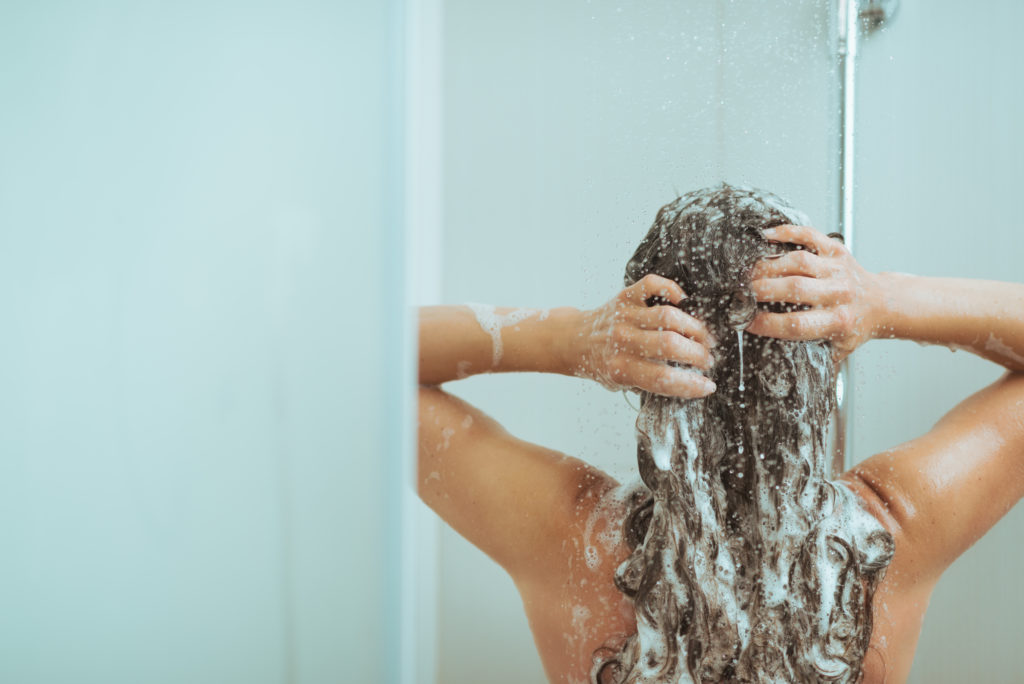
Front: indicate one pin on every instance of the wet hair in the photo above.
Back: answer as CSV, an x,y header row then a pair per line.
x,y
748,563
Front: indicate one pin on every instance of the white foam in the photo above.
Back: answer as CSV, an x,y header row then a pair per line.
x,y
997,346
446,436
592,557
492,323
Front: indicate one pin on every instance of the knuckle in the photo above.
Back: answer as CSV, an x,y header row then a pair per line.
x,y
649,280
844,318
771,325
776,324
673,345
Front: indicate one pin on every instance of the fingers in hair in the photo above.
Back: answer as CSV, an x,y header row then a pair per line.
x,y
807,237
675,320
816,324
652,285
796,263
660,378
800,290
670,346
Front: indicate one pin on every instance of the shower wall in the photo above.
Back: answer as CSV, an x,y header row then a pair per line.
x,y
940,167
201,340
566,126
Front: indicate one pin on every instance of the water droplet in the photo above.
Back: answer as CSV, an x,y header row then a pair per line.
x,y
739,337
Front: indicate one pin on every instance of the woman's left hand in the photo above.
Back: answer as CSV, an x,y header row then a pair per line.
x,y
844,297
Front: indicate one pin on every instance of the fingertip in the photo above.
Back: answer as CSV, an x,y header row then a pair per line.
x,y
757,325
698,386
675,293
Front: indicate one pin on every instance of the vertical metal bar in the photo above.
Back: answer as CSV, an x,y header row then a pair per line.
x,y
848,19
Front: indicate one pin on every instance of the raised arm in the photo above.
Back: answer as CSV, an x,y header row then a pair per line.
x,y
513,499
940,492
851,306
624,343
981,316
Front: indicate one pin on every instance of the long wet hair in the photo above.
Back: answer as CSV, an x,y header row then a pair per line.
x,y
748,564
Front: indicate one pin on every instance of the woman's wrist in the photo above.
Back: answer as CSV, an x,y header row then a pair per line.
x,y
986,317
885,309
567,339
545,341
896,310
541,341
459,341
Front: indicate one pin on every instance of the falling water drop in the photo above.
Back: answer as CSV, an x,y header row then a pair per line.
x,y
739,337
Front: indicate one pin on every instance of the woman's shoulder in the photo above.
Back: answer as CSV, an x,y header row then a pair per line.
x,y
580,610
899,603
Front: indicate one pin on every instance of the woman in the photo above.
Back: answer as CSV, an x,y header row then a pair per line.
x,y
735,559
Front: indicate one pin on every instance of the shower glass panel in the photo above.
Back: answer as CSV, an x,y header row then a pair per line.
x,y
566,126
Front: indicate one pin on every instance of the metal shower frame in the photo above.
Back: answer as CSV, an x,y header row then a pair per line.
x,y
855,17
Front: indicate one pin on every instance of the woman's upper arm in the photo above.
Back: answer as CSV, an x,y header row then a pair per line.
x,y
514,500
941,492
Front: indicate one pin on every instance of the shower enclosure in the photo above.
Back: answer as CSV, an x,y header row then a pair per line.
x,y
565,126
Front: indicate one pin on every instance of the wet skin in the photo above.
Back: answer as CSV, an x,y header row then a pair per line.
x,y
535,511
975,455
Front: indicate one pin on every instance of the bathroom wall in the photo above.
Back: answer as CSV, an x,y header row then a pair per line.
x,y
566,126
941,164
201,356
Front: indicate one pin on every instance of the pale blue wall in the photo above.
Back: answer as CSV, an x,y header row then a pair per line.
x,y
941,168
200,316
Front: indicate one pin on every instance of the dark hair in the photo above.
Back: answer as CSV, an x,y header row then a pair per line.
x,y
748,563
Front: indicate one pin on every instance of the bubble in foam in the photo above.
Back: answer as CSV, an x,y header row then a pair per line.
x,y
446,436
592,557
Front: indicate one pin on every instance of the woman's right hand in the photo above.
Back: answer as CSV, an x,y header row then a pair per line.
x,y
625,343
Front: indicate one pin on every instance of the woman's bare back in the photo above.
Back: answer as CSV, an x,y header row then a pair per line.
x,y
572,620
